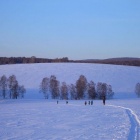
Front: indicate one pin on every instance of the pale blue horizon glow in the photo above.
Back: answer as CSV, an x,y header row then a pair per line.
x,y
77,29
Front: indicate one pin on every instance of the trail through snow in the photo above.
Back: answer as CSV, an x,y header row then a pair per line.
x,y
134,120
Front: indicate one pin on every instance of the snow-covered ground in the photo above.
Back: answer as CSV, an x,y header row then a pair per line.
x,y
47,120
35,118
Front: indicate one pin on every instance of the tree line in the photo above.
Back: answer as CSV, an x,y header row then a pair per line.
x,y
82,89
33,59
114,61
10,88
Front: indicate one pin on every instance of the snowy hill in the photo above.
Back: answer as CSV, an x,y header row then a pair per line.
x,y
122,78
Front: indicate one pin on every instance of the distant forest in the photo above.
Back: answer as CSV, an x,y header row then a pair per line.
x,y
115,61
33,59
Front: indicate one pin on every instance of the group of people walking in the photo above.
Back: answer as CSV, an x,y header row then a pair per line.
x,y
66,102
89,102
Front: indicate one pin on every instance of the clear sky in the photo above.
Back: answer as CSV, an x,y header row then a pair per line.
x,y
77,29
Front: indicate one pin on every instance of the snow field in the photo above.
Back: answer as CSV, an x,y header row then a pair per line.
x,y
44,119
35,118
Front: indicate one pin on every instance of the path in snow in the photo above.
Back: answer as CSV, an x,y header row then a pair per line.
x,y
135,123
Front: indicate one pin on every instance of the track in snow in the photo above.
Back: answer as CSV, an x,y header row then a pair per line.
x,y
135,123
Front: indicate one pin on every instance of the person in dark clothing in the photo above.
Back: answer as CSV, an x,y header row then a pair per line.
x,y
85,103
66,102
57,101
104,98
91,102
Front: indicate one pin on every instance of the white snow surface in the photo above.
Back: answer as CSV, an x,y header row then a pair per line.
x,y
47,120
35,118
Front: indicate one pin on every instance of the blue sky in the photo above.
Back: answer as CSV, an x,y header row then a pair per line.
x,y
78,29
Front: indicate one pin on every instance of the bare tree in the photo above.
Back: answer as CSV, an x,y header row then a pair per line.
x,y
104,89
3,86
21,91
54,87
64,91
11,83
73,93
13,87
101,90
137,89
44,86
110,92
91,90
81,85
15,90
